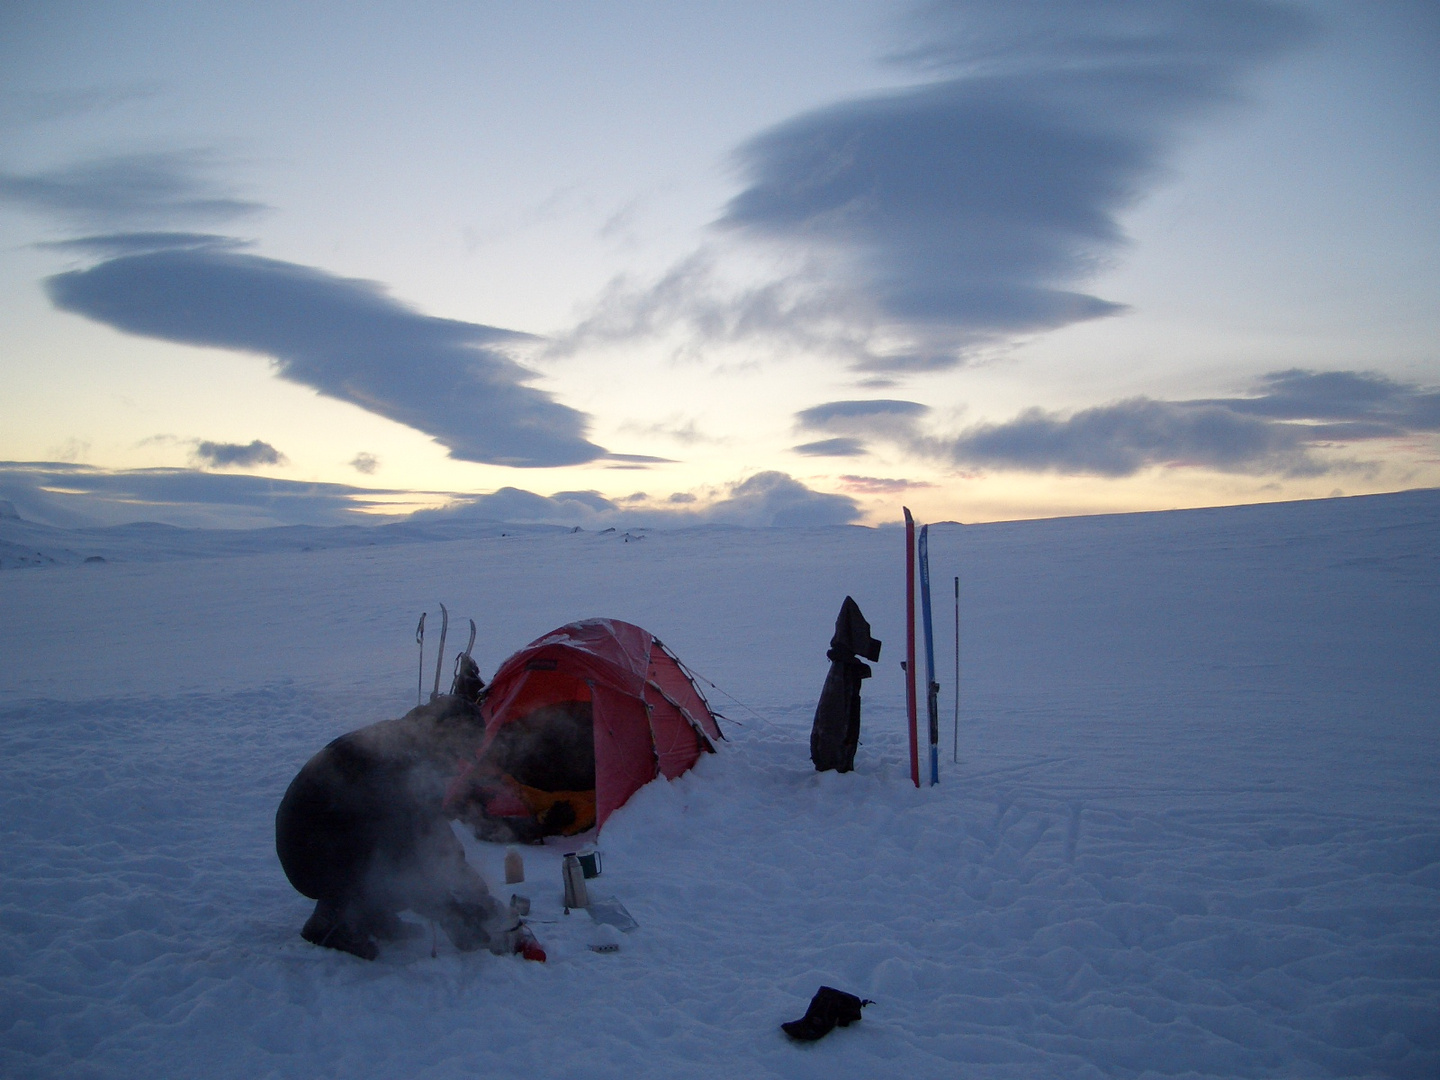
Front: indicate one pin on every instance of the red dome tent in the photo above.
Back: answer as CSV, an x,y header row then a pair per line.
x,y
581,719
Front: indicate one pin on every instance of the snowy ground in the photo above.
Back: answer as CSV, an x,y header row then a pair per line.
x,y
1194,829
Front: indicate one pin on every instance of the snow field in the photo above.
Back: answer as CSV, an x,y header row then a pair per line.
x,y
1194,830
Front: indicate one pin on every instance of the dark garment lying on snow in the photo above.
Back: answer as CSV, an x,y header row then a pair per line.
x,y
362,830
836,731
828,1008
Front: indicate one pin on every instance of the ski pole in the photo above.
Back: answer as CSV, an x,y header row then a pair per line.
x,y
956,752
420,678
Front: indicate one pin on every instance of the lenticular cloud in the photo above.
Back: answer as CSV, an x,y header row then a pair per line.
x,y
346,338
972,206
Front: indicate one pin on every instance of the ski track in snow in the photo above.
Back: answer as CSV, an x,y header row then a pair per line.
x,y
1194,830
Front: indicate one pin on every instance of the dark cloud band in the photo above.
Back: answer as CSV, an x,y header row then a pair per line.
x,y
110,245
968,208
243,455
344,338
841,447
1127,436
867,412
66,495
1271,432
136,190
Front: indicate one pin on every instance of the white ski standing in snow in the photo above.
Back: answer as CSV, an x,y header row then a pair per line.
x,y
932,688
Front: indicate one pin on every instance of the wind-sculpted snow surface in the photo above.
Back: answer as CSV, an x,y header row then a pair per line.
x,y
1194,830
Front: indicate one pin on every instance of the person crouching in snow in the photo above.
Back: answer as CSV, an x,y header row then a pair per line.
x,y
362,831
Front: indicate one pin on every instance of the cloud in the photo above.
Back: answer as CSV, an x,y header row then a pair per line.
x,y
365,463
639,459
73,496
110,245
696,297
880,485
968,206
129,191
1122,438
71,450
1273,431
517,505
924,222
682,430
767,499
231,455
843,447
773,498
1348,404
853,421
869,412
345,338
42,105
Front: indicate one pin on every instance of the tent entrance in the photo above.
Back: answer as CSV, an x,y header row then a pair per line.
x,y
540,766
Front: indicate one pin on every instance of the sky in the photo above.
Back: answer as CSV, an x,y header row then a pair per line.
x,y
643,263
